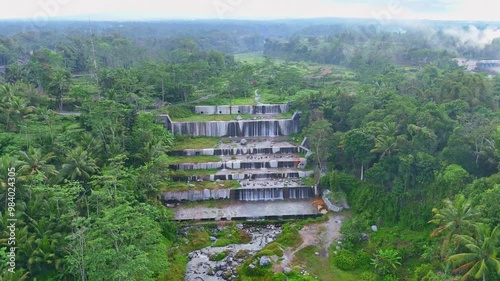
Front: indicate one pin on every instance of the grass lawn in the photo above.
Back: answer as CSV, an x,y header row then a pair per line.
x,y
186,173
193,159
188,142
309,181
322,267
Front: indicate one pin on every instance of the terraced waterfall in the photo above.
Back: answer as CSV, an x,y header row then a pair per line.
x,y
267,170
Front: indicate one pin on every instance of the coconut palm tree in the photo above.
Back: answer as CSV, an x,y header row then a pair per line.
x,y
455,217
481,258
33,162
78,165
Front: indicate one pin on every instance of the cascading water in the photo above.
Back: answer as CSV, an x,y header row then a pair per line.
x,y
242,128
237,151
242,194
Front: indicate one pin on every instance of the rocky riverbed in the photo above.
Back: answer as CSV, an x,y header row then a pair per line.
x,y
220,263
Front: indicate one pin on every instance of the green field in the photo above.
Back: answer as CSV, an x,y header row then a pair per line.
x,y
252,58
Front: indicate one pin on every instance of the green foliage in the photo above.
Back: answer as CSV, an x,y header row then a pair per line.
x,y
480,259
345,260
352,229
198,238
289,236
386,261
231,235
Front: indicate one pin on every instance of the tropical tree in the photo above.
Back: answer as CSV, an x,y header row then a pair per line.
x,y
33,162
78,165
481,259
455,218
318,133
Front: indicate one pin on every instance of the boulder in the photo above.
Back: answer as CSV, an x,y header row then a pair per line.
x,y
243,141
287,270
264,261
374,228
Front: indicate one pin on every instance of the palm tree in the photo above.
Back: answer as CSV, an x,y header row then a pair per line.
x,y
150,151
482,256
454,218
12,107
79,165
33,162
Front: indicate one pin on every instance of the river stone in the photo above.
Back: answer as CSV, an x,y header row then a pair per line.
x,y
287,270
264,260
374,228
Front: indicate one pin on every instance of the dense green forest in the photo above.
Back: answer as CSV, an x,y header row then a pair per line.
x,y
413,142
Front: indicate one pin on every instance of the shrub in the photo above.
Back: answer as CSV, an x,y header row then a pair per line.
x,y
275,249
368,276
363,259
345,260
290,236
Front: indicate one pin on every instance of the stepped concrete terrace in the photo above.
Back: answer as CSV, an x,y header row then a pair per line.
x,y
259,126
268,169
255,145
243,109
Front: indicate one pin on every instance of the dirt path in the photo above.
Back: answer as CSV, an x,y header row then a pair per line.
x,y
319,234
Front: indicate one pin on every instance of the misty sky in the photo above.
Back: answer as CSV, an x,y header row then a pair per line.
x,y
39,10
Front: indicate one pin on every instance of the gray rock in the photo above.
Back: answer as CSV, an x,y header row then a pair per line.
x,y
239,118
287,270
243,142
251,265
374,228
316,253
264,260
337,247
239,226
191,185
213,239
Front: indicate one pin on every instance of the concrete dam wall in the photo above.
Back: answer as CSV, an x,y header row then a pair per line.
x,y
243,109
247,174
241,194
236,165
238,151
241,128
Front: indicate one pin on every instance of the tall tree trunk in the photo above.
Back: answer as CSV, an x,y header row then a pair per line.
x,y
362,172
